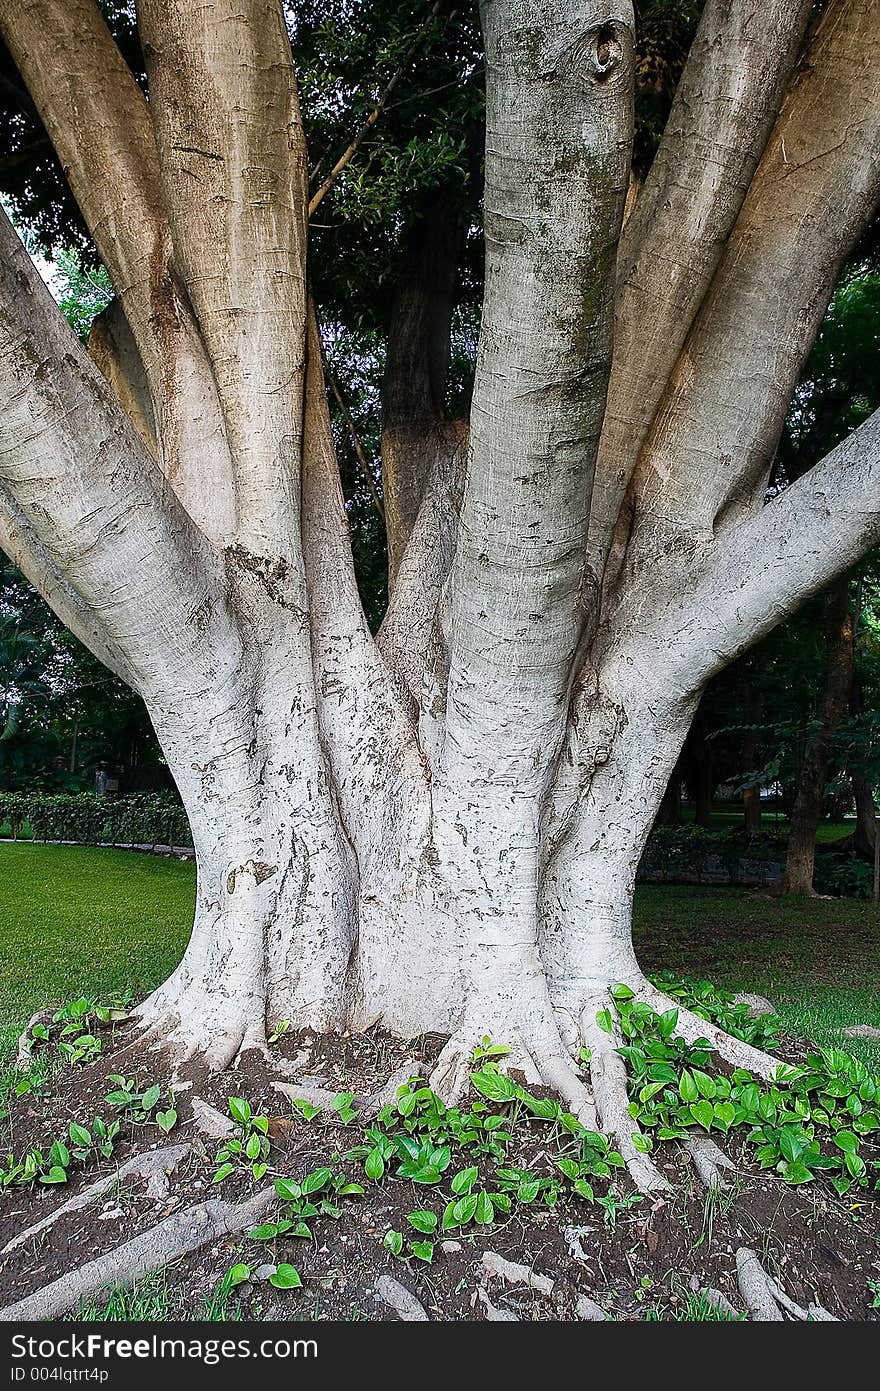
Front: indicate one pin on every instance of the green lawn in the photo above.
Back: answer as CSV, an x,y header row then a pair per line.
x,y
79,921
772,823
817,959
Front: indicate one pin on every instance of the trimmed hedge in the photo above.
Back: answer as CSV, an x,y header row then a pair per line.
x,y
688,851
844,876
672,852
148,818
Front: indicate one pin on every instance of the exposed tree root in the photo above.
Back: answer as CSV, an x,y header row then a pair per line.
x,y
588,1310
366,1105
514,1274
718,1300
25,1051
708,1160
189,1021
492,1312
691,1026
401,1300
177,1236
766,1298
161,1161
387,1096
754,1286
165,1034
757,1005
815,1312
209,1121
557,1073
540,1066
318,1096
608,1076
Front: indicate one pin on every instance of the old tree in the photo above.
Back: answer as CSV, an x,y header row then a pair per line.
x,y
437,828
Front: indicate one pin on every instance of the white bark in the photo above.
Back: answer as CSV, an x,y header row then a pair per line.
x,y
82,489
104,137
706,462
516,587
439,830
158,1246
226,114
724,108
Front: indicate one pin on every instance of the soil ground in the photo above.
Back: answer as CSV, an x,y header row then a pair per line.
x,y
640,1265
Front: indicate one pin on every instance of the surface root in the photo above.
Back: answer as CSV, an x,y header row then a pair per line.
x,y
178,1235
765,1297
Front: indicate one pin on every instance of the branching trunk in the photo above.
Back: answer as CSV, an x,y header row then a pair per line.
x,y
440,828
813,776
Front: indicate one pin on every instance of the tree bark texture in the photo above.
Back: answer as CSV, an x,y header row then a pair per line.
x,y
439,828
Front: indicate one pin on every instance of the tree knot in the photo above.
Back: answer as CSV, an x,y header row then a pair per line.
x,y
602,51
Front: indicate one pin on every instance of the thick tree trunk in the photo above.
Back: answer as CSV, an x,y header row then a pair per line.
x,y
806,812
865,834
752,811
439,829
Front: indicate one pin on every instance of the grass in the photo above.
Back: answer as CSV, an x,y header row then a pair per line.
x,y
772,822
817,959
78,921
149,1300
696,1309
146,1301
81,921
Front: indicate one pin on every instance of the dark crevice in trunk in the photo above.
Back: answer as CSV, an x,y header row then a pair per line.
x,y
417,363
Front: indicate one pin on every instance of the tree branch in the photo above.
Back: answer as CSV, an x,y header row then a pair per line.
x,y
98,122
558,155
358,703
793,548
727,100
356,445
114,352
351,150
100,126
233,163
411,636
19,541
707,459
85,493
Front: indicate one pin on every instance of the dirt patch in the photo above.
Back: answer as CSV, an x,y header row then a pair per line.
x,y
633,1260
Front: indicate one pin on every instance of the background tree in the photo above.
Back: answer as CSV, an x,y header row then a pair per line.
x,y
61,711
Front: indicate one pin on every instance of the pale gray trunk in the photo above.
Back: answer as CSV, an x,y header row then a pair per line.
x,y
440,829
